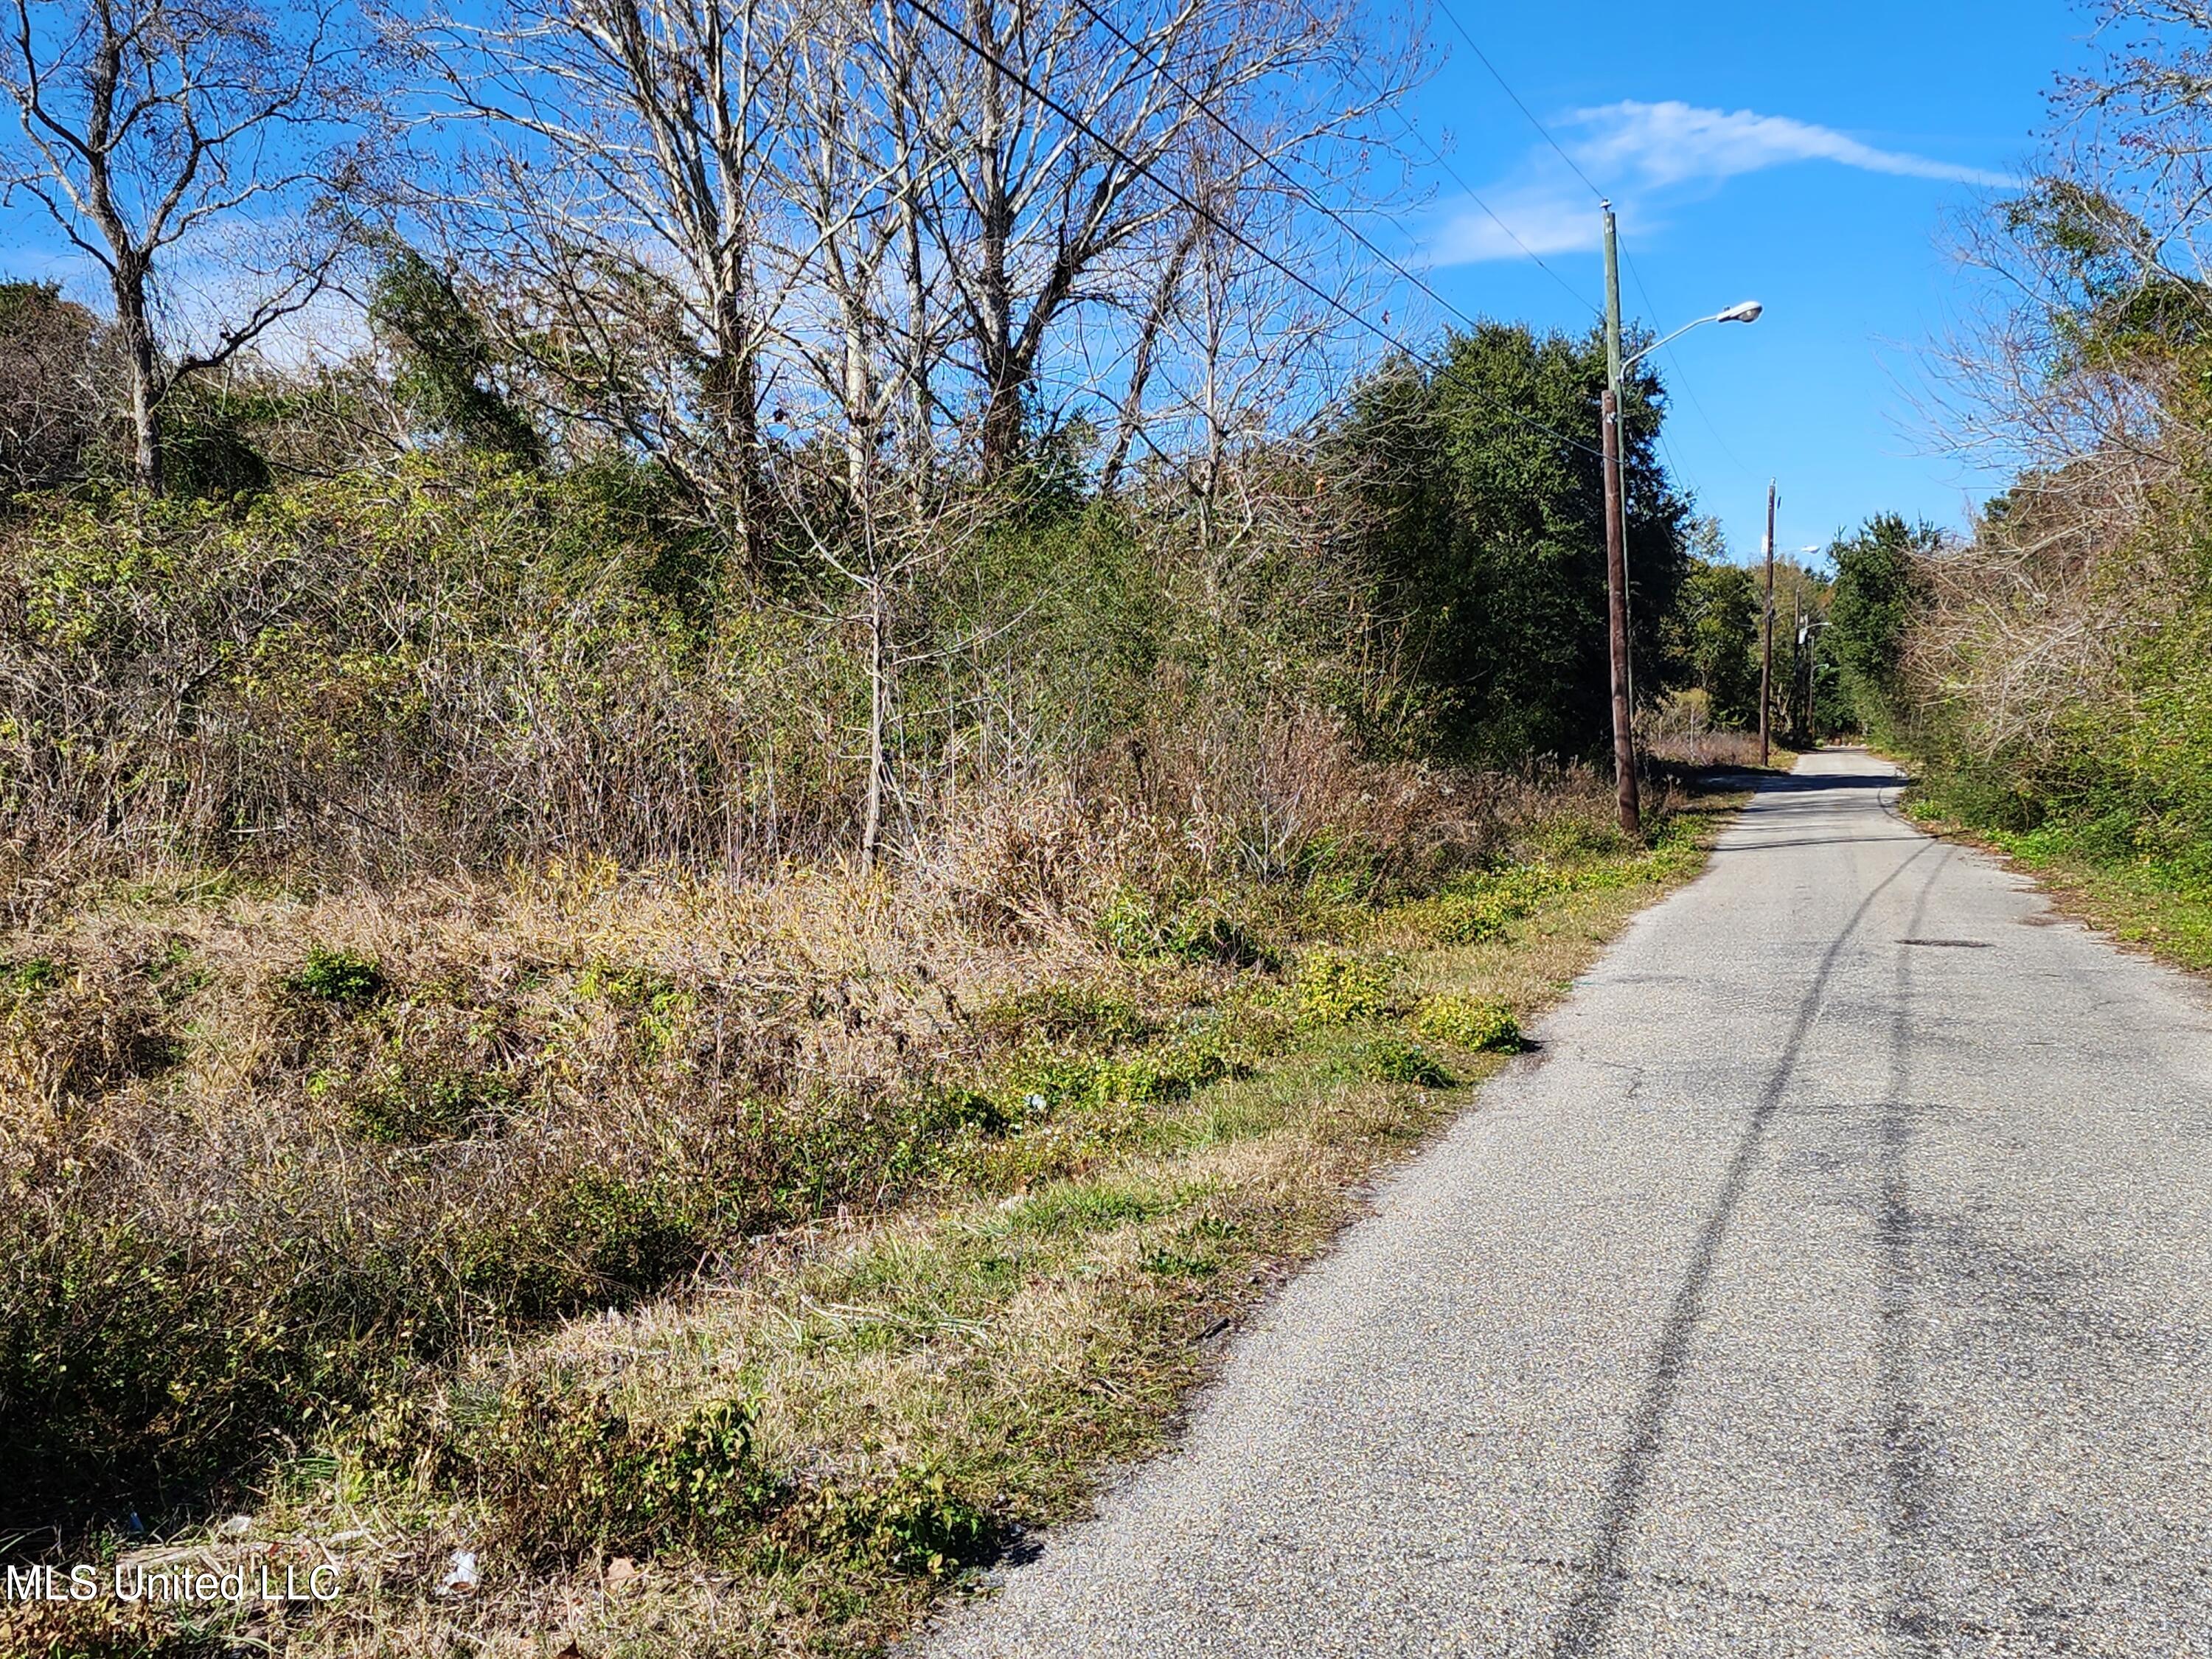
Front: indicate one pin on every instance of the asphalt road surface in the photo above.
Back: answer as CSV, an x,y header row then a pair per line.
x,y
1836,1280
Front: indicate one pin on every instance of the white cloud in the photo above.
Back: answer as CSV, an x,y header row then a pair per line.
x,y
1548,218
1674,143
1652,154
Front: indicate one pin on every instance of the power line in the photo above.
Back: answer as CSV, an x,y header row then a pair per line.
x,y
1437,155
1335,218
1544,131
1237,236
1473,47
1331,213
1268,161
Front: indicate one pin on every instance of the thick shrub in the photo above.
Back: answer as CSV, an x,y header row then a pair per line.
x,y
451,662
1337,987
1469,1023
565,1473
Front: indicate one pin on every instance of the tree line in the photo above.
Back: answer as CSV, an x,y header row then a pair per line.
x,y
2047,668
716,429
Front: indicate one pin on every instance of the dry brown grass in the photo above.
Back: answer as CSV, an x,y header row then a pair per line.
x,y
1679,734
833,1265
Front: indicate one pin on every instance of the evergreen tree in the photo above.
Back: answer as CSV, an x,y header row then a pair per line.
x,y
1487,498
1877,586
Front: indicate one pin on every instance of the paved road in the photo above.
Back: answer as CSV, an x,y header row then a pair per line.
x,y
1838,1280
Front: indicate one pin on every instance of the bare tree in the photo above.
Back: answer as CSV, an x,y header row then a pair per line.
x,y
855,168
618,198
1077,127
1145,350
707,213
157,132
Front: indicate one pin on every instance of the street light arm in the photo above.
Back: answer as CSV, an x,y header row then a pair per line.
x,y
1627,363
1746,313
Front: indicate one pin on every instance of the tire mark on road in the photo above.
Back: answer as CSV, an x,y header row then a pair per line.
x,y
1604,1574
1911,1495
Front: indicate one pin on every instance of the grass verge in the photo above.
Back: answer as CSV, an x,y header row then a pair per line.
x,y
2153,901
883,1371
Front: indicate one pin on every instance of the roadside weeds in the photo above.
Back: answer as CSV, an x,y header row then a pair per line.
x,y
821,1434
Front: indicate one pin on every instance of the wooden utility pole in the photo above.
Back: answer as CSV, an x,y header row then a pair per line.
x,y
1616,548
1616,586
1766,655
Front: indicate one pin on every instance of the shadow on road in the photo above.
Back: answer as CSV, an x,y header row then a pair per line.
x,y
1762,846
1808,783
1906,1444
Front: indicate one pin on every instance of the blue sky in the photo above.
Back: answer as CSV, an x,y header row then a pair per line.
x,y
1803,155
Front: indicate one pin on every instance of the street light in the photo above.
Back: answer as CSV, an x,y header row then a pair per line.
x,y
1746,311
1616,529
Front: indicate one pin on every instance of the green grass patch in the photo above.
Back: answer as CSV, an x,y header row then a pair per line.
x,y
1393,1060
29,976
1074,1206
346,979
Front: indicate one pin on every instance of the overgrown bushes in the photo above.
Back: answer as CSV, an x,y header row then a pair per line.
x,y
445,662
2051,680
566,1472
270,1159
380,672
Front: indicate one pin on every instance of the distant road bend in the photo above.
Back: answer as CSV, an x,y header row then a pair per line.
x,y
1836,1281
